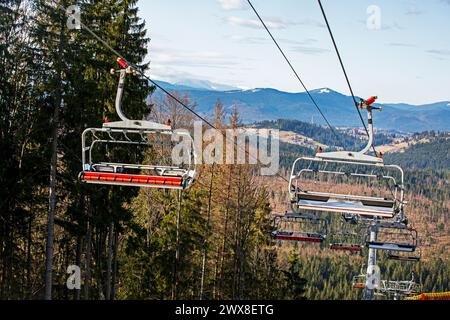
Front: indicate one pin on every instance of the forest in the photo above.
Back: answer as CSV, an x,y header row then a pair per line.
x,y
321,134
131,243
55,83
434,154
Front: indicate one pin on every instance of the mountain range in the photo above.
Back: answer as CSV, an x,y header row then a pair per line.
x,y
271,104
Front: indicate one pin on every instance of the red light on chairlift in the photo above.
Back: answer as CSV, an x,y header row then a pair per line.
x,y
122,63
106,120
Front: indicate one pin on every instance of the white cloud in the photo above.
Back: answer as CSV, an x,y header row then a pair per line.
x,y
161,72
264,40
171,56
309,50
232,4
386,26
272,23
440,52
401,44
413,11
253,23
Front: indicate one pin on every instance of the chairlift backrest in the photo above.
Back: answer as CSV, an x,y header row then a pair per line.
x,y
102,166
299,228
334,174
347,236
395,240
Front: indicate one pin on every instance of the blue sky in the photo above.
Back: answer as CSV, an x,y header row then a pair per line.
x,y
406,60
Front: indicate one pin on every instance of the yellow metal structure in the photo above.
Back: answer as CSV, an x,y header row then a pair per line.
x,y
431,296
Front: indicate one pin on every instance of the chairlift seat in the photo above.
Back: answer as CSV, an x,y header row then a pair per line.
x,y
137,125
346,204
120,179
342,247
165,171
349,156
403,258
298,237
402,247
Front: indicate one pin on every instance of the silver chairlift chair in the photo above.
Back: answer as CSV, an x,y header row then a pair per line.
x,y
384,207
299,228
395,239
133,133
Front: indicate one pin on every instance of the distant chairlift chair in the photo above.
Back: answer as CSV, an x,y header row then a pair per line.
x,y
299,228
339,164
396,240
388,287
414,256
347,236
136,133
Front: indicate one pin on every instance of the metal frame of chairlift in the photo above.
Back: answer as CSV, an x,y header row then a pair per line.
x,y
345,239
376,213
414,256
136,133
408,244
311,236
302,199
385,287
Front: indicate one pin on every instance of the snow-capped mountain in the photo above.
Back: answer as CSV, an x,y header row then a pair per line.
x,y
271,104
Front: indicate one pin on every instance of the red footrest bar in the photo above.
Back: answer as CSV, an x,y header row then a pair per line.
x,y
118,178
296,238
359,286
346,248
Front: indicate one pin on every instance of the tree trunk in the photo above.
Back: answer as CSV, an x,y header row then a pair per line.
x,y
87,279
177,250
114,273
109,261
52,206
237,244
205,249
79,262
216,269
53,167
225,231
29,267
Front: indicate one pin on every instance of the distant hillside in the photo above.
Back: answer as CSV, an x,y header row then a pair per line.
x,y
271,104
431,155
321,134
426,151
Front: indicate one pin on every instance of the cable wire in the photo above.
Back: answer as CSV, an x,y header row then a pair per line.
x,y
293,69
349,84
343,69
137,69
